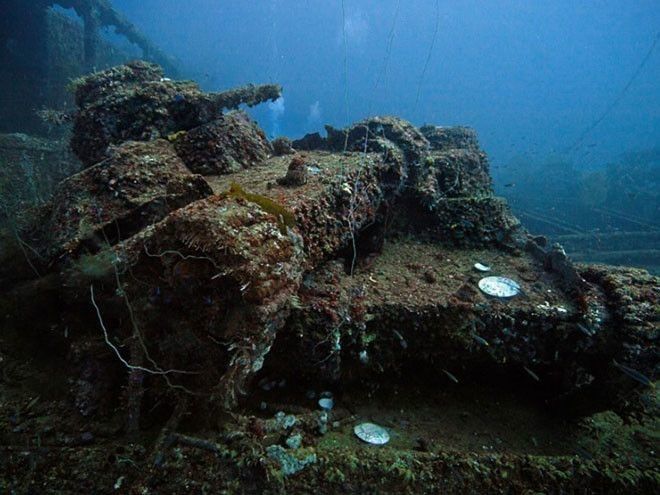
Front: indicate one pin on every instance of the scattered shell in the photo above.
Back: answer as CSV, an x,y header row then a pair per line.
x,y
371,433
499,286
326,403
480,267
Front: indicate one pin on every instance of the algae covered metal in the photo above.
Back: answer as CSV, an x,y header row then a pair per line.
x,y
196,277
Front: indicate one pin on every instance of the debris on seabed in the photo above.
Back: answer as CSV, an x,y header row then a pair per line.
x,y
371,433
289,463
322,422
119,482
499,287
480,267
326,403
285,421
546,306
294,441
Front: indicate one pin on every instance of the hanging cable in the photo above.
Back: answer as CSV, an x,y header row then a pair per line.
x,y
618,98
343,31
382,74
428,58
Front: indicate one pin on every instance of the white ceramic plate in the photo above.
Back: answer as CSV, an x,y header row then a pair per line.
x,y
499,287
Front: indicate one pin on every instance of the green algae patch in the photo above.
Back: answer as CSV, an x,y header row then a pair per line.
x,y
285,219
606,435
175,136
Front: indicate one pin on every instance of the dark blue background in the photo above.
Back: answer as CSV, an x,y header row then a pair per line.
x,y
530,76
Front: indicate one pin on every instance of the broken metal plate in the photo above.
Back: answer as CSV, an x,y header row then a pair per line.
x,y
371,433
499,287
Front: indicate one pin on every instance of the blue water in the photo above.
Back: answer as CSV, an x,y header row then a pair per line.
x,y
530,76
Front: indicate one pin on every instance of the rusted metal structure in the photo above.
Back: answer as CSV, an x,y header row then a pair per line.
x,y
99,13
42,50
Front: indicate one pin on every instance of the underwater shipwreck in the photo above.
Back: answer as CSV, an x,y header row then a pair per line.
x,y
202,310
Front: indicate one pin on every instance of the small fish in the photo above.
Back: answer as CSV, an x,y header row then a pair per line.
x,y
403,342
635,375
481,340
510,184
585,330
451,377
532,374
32,403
